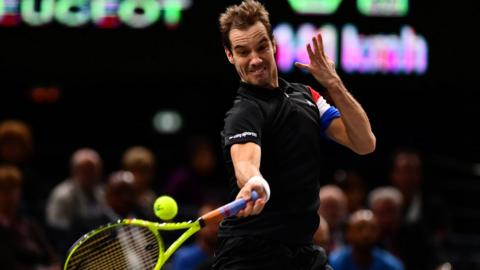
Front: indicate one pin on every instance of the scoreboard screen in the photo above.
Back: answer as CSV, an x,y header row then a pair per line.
x,y
397,49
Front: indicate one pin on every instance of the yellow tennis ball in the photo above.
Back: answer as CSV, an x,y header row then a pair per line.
x,y
165,207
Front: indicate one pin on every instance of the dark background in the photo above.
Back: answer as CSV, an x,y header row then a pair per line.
x,y
112,82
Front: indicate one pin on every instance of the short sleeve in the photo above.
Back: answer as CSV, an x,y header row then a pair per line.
x,y
243,123
327,111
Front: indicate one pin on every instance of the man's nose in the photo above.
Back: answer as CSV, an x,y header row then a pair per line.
x,y
256,60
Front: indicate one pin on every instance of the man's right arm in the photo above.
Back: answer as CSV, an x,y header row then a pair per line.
x,y
246,162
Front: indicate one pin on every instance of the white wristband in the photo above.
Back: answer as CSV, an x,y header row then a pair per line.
x,y
263,182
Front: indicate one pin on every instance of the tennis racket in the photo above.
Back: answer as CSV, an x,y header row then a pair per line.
x,y
137,244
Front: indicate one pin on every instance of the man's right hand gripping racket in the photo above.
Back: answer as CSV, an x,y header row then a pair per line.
x,y
137,244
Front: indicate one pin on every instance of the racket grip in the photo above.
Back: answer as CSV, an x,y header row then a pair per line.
x,y
234,207
227,210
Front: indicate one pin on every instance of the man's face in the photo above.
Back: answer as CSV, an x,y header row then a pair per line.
x,y
87,174
388,215
362,231
252,54
332,208
407,173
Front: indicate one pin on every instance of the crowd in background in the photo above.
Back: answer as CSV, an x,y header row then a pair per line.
x,y
396,226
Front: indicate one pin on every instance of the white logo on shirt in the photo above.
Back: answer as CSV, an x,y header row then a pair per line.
x,y
243,135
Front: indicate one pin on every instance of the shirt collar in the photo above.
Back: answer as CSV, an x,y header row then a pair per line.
x,y
262,92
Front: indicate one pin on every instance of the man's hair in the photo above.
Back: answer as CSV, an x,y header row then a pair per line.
x,y
18,130
242,16
385,194
138,156
85,155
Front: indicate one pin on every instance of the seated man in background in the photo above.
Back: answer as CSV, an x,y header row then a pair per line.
x,y
420,208
361,253
407,242
121,198
141,162
333,207
120,202
78,199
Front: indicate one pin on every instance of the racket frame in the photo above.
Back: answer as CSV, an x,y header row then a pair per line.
x,y
191,228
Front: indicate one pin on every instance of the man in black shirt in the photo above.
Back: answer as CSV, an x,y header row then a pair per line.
x,y
272,143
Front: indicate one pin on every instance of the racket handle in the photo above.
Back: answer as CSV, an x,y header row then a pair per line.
x,y
234,207
227,210
254,195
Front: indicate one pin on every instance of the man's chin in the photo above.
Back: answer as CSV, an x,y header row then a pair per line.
x,y
260,82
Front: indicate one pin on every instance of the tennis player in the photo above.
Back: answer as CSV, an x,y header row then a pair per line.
x,y
272,143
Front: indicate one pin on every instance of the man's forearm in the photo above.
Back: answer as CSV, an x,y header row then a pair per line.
x,y
244,170
354,118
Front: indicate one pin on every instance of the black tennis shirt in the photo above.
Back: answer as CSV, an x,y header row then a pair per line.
x,y
285,123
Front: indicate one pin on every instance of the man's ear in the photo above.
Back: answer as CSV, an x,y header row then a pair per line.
x,y
229,54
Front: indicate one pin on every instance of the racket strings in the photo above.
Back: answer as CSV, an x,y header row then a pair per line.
x,y
125,252
119,247
126,259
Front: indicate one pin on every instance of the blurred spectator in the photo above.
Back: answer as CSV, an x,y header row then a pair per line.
x,y
121,197
23,244
80,196
197,181
16,142
408,243
120,201
142,163
199,254
354,187
361,251
16,148
333,207
386,203
444,266
76,200
406,174
321,237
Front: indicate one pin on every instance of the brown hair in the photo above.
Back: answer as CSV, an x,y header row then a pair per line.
x,y
138,156
241,17
18,130
10,177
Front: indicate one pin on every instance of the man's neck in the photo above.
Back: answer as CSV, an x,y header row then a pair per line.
x,y
274,83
